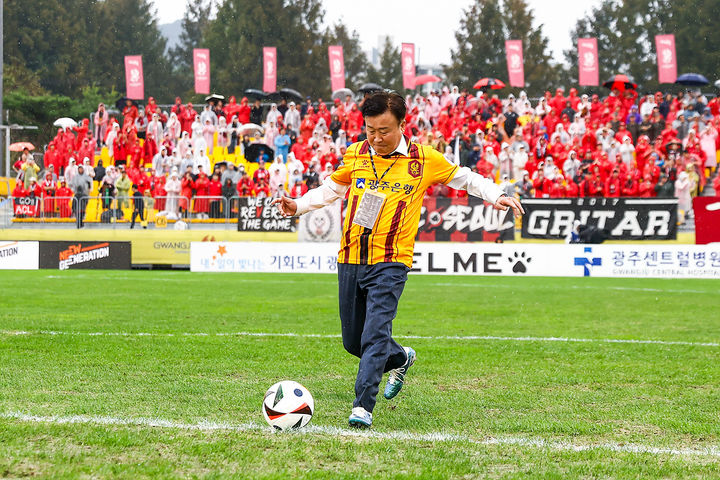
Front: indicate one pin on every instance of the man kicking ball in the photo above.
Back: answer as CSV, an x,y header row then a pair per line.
x,y
387,176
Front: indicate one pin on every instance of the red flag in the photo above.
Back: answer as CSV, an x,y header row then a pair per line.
x,y
588,61
337,67
269,69
666,59
201,61
134,85
516,69
408,65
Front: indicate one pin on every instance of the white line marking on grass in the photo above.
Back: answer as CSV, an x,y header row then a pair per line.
x,y
409,337
191,278
576,287
710,451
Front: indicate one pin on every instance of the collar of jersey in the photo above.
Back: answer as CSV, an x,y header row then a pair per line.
x,y
402,148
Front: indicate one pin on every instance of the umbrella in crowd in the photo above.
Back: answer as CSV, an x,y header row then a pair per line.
x,y
252,152
423,79
286,94
214,98
250,129
489,83
620,82
692,80
673,145
255,93
342,93
120,103
369,87
65,122
291,94
20,146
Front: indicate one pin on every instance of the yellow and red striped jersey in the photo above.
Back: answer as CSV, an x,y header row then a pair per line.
x,y
393,238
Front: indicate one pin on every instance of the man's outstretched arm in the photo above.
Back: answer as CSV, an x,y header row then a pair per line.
x,y
316,198
479,186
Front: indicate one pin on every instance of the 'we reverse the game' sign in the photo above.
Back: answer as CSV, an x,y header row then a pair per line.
x,y
258,215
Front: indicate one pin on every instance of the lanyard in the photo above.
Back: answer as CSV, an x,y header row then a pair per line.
x,y
372,162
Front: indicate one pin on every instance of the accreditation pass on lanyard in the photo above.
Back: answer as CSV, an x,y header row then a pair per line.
x,y
372,201
369,208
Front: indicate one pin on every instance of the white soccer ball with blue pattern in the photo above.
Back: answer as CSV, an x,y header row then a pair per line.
x,y
288,405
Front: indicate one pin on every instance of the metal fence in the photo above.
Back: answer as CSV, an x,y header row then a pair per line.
x,y
119,210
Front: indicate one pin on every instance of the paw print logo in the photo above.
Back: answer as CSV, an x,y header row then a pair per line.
x,y
519,262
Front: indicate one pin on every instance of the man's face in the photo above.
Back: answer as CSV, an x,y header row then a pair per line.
x,y
384,132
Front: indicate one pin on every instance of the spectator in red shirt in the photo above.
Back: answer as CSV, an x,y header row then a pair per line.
x,y
142,181
589,186
52,157
64,198
629,188
646,188
245,186
541,184
571,189
215,194
202,185
613,184
557,189
158,191
48,192
178,107
186,193
19,192
187,117
130,114
87,151
262,190
261,176
298,190
557,102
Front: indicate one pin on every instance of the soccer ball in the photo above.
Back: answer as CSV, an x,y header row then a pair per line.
x,y
288,405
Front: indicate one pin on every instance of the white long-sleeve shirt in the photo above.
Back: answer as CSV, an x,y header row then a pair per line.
x,y
464,179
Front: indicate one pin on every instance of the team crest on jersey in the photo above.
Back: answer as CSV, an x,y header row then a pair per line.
x,y
360,183
415,168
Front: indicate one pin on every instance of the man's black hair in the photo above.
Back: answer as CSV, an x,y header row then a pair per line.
x,y
380,102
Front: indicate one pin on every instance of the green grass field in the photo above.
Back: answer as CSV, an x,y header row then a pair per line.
x,y
176,392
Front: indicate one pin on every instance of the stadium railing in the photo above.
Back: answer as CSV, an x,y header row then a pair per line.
x,y
112,212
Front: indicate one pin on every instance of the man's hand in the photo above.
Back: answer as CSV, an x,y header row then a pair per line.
x,y
505,202
287,206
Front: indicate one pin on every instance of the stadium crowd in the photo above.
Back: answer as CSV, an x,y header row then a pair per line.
x,y
623,145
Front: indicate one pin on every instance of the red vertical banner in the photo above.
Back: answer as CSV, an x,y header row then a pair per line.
x,y
407,57
134,84
516,68
201,62
337,67
666,59
588,61
269,69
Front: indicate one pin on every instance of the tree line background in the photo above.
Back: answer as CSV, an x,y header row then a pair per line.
x,y
62,58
